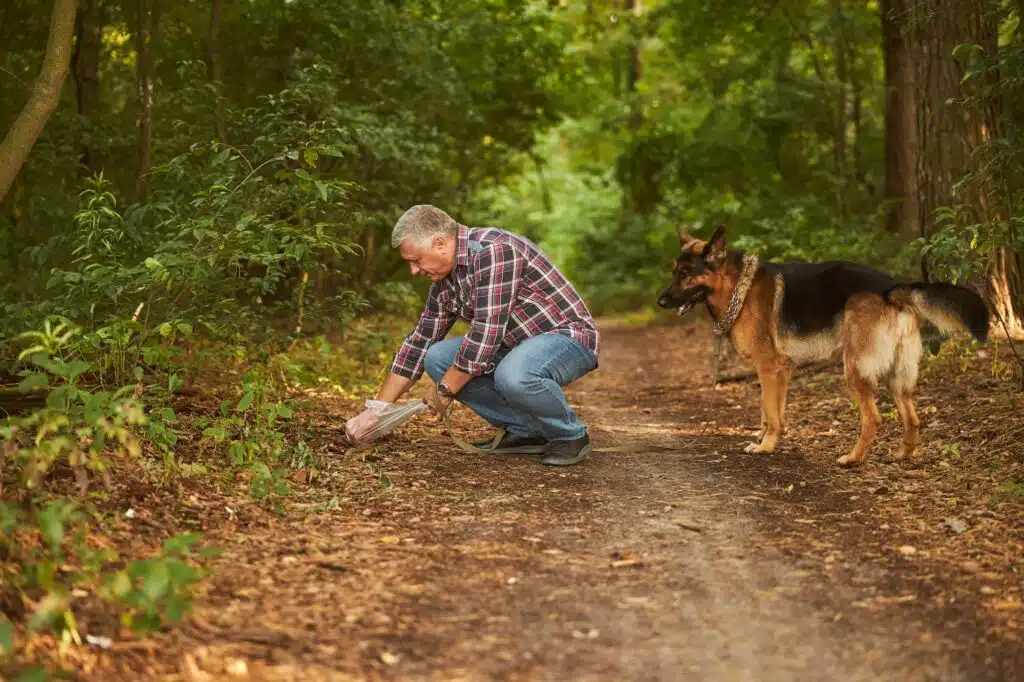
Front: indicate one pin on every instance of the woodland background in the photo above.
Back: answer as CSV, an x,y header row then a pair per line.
x,y
196,199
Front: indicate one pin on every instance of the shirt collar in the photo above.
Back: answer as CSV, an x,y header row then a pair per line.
x,y
462,247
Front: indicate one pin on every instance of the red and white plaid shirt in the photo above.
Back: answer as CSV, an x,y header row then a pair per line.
x,y
508,290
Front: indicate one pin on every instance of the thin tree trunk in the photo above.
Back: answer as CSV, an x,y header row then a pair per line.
x,y
634,63
842,81
148,21
900,123
1005,281
544,192
212,45
86,67
369,259
45,95
856,103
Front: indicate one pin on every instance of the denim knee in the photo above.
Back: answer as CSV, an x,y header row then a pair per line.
x,y
435,362
511,383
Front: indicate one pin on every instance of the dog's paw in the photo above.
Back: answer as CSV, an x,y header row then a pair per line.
x,y
904,453
757,449
849,460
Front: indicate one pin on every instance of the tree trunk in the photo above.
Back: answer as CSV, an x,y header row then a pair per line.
x,y
211,48
900,123
86,67
842,81
634,62
1005,281
45,95
148,20
952,137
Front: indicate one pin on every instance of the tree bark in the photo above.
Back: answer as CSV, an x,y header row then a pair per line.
x,y
148,21
45,95
211,48
900,123
842,81
86,68
1005,282
945,136
953,137
634,62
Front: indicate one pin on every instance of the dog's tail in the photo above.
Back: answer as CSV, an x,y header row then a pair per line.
x,y
947,306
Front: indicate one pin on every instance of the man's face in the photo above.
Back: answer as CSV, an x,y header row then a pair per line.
x,y
436,260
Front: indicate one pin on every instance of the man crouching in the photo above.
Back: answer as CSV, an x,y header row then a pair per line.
x,y
530,334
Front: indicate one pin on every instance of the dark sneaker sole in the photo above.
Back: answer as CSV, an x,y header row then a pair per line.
x,y
520,450
568,461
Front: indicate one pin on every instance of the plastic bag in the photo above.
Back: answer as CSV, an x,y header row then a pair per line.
x,y
379,419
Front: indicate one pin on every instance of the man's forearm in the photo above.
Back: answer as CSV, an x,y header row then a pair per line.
x,y
394,387
455,379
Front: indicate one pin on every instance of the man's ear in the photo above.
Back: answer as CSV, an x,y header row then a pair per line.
x,y
716,250
438,242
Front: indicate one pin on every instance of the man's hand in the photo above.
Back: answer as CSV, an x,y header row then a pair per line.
x,y
440,404
454,380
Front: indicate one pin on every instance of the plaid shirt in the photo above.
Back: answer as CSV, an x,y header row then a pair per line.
x,y
508,290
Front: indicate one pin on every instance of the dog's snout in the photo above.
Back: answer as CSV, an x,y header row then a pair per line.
x,y
663,301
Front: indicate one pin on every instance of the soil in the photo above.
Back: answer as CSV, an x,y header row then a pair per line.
x,y
413,560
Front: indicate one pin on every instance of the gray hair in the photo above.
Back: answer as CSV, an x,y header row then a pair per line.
x,y
421,223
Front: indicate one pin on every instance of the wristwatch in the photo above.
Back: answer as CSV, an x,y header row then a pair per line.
x,y
442,389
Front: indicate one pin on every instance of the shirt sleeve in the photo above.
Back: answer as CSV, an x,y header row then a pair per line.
x,y
497,277
434,324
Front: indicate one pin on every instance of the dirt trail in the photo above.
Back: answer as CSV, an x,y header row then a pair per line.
x,y
416,561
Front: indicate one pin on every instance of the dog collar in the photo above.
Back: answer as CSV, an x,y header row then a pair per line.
x,y
739,295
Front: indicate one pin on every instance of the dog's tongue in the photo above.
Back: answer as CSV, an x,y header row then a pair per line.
x,y
685,308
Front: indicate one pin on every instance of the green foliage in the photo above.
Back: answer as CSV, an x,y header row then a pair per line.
x,y
250,426
53,557
734,119
157,591
76,426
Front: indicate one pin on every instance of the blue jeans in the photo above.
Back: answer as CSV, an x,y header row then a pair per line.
x,y
524,394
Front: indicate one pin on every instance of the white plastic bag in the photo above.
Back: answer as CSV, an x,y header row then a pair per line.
x,y
379,419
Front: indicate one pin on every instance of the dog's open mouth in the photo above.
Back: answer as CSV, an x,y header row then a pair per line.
x,y
686,307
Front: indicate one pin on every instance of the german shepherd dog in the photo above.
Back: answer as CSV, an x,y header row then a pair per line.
x,y
801,312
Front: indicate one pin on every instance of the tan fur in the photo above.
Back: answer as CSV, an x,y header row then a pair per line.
x,y
879,342
916,301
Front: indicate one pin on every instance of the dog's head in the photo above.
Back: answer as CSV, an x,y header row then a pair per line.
x,y
698,271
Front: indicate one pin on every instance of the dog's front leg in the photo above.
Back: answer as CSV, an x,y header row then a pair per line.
x,y
770,378
764,420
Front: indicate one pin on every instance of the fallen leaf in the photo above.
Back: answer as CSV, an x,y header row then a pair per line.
x,y
688,525
955,524
589,634
908,550
624,559
237,668
390,539
388,658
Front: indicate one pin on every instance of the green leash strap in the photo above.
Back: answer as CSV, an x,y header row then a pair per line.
x,y
715,357
465,446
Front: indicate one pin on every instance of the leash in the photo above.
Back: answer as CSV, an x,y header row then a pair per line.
x,y
465,446
724,324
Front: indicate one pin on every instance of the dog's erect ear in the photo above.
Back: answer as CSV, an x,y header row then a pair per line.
x,y
716,249
686,240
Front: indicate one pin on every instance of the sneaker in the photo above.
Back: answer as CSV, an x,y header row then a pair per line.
x,y
562,453
511,444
